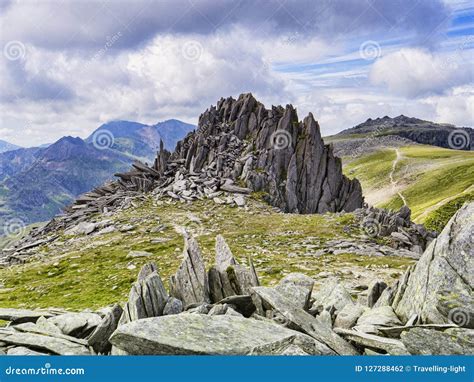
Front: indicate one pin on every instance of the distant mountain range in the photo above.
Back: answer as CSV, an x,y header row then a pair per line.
x,y
36,183
6,146
414,129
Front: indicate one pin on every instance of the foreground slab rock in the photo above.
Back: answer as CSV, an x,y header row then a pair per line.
x,y
147,297
228,278
190,283
297,287
439,288
303,321
332,296
388,345
99,339
372,319
201,334
34,341
18,316
428,341
78,325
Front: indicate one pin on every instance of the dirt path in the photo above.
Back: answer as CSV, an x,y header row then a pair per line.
x,y
392,180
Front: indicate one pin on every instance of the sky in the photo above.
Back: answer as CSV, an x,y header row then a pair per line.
x,y
69,66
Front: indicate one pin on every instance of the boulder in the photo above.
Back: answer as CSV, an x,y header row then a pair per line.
x,y
78,325
428,341
83,228
387,345
302,321
297,287
372,319
173,306
227,277
18,316
348,316
42,342
201,334
134,254
147,297
21,350
99,339
190,283
439,288
332,296
374,292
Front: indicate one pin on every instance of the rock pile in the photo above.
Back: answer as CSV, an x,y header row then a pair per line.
x,y
225,311
403,233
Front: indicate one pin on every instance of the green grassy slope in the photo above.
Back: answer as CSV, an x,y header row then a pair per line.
x,y
85,272
428,178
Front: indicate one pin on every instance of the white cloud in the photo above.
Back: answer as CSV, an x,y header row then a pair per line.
x,y
413,72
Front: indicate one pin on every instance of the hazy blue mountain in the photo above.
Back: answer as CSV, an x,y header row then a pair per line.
x,y
172,131
57,175
36,183
6,146
138,139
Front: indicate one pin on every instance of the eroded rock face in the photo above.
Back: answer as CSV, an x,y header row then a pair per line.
x,y
439,288
270,151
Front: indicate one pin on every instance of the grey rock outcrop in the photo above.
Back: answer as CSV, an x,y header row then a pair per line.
x,y
228,278
429,342
300,320
395,225
190,283
99,338
270,151
439,288
147,297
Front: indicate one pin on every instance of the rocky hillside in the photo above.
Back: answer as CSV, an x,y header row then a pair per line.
x,y
224,310
411,129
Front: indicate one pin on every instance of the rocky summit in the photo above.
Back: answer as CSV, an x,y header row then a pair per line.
x,y
270,150
224,310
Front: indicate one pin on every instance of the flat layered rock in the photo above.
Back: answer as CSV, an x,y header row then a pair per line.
x,y
22,315
201,334
41,342
303,321
428,341
388,345
78,325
